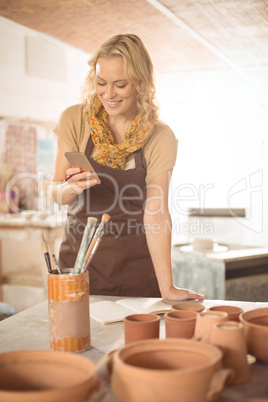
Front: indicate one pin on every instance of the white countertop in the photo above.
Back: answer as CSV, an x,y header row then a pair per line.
x,y
232,253
17,220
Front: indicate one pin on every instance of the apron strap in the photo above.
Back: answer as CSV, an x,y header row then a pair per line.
x,y
89,146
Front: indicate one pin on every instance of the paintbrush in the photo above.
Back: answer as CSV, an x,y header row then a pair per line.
x,y
46,254
104,219
94,249
87,236
56,263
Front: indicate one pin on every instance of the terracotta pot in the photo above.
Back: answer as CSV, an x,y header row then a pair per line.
x,y
230,338
180,323
256,329
31,376
173,370
232,311
68,312
193,306
205,322
141,326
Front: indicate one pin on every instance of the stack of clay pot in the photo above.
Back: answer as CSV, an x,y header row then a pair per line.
x,y
203,351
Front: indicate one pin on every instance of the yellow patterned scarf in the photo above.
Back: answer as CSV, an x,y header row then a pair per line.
x,y
110,153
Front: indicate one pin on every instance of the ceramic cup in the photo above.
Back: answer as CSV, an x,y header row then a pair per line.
x,y
68,312
141,326
193,306
229,336
205,322
180,324
232,311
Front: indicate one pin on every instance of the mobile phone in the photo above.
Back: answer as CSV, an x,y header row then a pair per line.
x,y
79,159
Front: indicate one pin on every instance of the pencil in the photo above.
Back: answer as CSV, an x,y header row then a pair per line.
x,y
46,254
68,177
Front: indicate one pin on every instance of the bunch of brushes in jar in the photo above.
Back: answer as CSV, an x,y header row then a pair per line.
x,y
90,242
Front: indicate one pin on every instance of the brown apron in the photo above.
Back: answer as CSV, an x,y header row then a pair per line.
x,y
122,265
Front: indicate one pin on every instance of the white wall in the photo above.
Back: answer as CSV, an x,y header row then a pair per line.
x,y
39,75
220,120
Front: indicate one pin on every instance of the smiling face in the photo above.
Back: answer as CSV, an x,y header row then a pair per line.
x,y
116,94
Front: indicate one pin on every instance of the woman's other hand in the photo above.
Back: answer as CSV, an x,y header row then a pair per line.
x,y
175,293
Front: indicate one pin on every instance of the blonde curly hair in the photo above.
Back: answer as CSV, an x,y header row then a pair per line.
x,y
139,71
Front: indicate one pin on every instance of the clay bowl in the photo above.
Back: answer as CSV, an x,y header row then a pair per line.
x,y
174,370
256,329
193,306
232,311
31,376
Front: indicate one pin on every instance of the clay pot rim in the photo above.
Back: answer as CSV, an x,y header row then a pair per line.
x,y
198,304
229,323
169,317
233,309
36,356
153,318
246,320
219,313
168,344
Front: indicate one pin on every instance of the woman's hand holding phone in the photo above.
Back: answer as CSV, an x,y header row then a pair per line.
x,y
81,175
80,181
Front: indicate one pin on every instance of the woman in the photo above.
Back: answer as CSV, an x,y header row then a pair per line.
x,y
133,153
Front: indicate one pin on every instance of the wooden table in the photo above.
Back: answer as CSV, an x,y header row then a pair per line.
x,y
29,330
